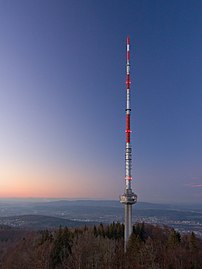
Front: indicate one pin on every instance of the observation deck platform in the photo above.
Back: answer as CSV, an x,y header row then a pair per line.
x,y
128,198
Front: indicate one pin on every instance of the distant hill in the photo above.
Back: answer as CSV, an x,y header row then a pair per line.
x,y
40,222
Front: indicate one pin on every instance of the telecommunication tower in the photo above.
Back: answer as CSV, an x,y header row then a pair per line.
x,y
128,198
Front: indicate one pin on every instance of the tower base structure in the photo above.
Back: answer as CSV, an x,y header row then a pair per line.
x,y
128,199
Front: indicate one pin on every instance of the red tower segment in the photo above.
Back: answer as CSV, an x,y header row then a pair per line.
x,y
128,131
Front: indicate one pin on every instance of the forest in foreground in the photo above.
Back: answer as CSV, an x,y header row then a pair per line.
x,y
99,247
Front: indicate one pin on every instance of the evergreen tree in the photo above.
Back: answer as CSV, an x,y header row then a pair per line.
x,y
62,246
174,238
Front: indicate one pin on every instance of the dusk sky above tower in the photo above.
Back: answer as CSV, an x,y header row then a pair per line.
x,y
62,98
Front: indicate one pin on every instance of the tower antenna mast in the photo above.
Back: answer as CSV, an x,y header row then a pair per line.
x,y
128,198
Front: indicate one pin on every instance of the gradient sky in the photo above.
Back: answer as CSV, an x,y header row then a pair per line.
x,y
62,98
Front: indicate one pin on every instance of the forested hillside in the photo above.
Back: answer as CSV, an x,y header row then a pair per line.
x,y
100,247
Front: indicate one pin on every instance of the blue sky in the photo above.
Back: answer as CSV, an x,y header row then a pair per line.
x,y
62,98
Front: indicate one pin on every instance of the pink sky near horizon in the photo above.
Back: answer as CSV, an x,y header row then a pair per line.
x,y
26,181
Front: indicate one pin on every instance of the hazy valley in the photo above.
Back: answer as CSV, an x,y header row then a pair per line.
x,y
52,214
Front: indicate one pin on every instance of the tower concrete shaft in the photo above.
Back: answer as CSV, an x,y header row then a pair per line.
x,y
128,198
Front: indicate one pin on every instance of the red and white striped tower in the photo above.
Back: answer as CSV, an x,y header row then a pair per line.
x,y
128,198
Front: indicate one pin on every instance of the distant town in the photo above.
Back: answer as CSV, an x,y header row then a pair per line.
x,y
39,215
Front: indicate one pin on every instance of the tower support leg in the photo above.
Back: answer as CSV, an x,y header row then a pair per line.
x,y
128,224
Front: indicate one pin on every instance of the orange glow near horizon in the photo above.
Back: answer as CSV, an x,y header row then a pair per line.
x,y
37,182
